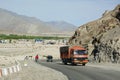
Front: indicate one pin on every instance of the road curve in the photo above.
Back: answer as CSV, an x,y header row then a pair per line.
x,y
83,72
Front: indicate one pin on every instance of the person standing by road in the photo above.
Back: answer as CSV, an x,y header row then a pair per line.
x,y
36,58
115,56
95,53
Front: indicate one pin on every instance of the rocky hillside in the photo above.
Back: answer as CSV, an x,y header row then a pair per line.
x,y
11,22
103,33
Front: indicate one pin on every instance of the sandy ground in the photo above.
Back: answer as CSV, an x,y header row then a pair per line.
x,y
9,54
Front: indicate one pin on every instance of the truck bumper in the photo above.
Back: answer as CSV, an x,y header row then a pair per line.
x,y
80,62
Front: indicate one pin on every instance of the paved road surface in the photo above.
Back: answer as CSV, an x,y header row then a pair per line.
x,y
84,72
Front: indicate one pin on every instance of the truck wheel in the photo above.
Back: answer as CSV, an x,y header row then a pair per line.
x,y
83,64
51,60
73,64
65,63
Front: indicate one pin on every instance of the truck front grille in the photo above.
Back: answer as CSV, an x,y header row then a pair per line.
x,y
81,59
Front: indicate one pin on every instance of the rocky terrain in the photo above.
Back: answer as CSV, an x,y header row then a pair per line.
x,y
11,22
104,33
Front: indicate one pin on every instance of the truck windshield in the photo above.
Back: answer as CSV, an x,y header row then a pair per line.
x,y
80,52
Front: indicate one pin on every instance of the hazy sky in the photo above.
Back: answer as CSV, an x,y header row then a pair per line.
x,y
77,12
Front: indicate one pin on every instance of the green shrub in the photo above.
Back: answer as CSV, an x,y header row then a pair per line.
x,y
14,36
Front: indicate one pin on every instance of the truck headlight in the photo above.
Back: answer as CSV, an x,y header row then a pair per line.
x,y
75,59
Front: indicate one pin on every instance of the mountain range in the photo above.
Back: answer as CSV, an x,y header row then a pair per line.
x,y
11,22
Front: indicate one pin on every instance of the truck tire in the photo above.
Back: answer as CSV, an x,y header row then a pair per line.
x,y
65,63
83,64
74,64
51,60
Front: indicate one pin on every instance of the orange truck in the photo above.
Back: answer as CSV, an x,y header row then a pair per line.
x,y
74,55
